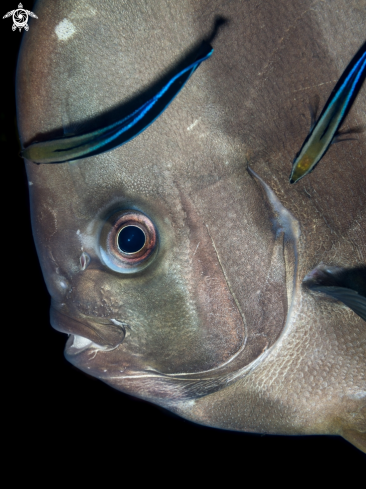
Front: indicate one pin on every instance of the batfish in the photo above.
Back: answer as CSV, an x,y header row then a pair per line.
x,y
184,267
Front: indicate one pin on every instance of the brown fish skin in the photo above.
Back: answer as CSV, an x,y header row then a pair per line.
x,y
219,277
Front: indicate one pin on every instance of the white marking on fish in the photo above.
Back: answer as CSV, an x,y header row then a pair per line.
x,y
196,248
358,395
64,30
189,128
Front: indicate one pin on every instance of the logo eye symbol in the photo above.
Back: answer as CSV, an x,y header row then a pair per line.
x,y
128,241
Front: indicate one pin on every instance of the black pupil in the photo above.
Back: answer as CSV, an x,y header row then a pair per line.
x,y
131,239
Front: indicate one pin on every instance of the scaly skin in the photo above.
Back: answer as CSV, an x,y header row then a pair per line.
x,y
222,275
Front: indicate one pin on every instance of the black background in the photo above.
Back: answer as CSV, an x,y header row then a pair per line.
x,y
58,415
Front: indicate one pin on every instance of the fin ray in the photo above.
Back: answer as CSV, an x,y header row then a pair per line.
x,y
350,297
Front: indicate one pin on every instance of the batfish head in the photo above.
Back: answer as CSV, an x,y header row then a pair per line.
x,y
210,312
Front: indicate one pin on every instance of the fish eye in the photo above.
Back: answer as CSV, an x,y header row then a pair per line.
x,y
128,241
131,239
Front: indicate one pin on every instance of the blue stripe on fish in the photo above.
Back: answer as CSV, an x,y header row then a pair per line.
x,y
335,110
107,138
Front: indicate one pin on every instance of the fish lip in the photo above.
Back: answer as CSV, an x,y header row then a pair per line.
x,y
103,333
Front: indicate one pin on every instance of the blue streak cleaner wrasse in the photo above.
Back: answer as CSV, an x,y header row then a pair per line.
x,y
325,130
107,138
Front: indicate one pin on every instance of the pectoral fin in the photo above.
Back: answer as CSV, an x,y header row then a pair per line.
x,y
338,138
314,108
345,285
350,297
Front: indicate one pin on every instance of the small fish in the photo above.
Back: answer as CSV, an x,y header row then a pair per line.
x,y
324,132
107,138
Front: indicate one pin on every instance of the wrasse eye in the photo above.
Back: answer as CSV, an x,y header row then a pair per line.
x,y
128,242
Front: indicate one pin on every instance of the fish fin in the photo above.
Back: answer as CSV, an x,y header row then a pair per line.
x,y
357,438
339,140
351,130
314,107
350,297
345,285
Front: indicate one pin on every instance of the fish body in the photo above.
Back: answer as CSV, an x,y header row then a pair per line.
x,y
114,135
325,130
210,318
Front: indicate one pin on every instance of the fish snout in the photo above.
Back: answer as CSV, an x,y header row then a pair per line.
x,y
103,332
58,286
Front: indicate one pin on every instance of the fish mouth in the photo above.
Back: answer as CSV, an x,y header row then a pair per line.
x,y
76,344
85,332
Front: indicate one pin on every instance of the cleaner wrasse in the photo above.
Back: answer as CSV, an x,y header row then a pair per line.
x,y
324,132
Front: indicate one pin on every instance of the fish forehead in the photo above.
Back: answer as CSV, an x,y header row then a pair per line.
x,y
198,148
262,130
